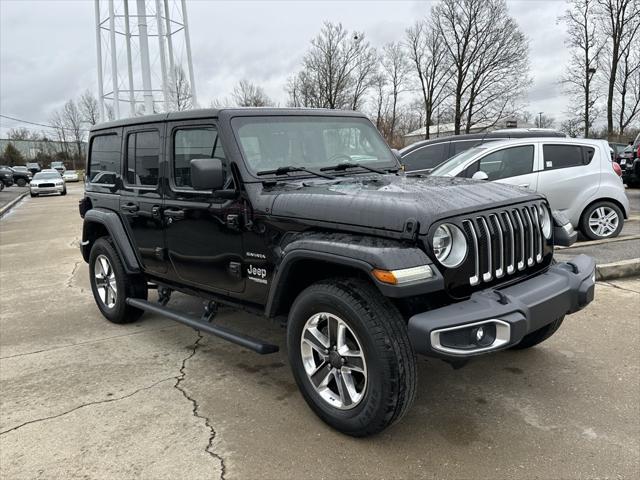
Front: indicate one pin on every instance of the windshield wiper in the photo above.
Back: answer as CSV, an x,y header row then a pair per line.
x,y
292,168
347,166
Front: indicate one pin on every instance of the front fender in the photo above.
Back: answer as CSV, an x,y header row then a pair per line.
x,y
358,252
114,228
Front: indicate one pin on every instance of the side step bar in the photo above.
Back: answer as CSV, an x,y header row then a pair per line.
x,y
219,331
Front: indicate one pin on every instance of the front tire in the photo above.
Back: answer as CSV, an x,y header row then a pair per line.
x,y
64,192
21,182
602,220
111,285
351,356
539,336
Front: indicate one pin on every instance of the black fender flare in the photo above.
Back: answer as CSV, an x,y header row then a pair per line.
x,y
113,225
359,252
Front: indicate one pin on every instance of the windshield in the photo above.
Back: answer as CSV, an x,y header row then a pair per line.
x,y
268,143
46,176
20,169
446,168
56,164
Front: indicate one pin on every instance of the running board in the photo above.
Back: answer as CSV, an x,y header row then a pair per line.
x,y
219,331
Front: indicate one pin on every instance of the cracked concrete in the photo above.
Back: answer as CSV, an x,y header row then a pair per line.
x,y
81,398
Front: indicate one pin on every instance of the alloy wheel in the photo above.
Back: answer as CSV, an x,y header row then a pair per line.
x,y
105,281
333,360
603,221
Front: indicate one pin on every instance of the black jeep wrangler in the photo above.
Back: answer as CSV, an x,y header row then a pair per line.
x,y
306,216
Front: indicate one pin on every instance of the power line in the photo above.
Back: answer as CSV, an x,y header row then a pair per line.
x,y
40,124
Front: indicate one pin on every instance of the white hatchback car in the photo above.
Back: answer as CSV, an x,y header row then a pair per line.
x,y
576,175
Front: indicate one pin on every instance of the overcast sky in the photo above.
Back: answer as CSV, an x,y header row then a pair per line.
x,y
48,53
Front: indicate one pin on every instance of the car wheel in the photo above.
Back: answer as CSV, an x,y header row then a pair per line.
x,y
602,220
64,192
21,182
111,285
539,336
1,186
351,356
34,195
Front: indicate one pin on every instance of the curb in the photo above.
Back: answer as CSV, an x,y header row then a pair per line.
x,y
12,203
621,269
599,242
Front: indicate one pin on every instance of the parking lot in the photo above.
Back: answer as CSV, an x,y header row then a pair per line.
x,y
83,398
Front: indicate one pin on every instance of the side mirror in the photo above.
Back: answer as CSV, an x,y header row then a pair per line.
x,y
207,174
480,175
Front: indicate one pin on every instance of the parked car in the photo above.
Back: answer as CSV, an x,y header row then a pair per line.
x,y
70,176
59,166
6,176
46,182
576,175
617,149
21,176
304,215
631,164
33,167
422,157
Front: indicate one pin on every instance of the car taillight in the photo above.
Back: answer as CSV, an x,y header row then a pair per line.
x,y
616,168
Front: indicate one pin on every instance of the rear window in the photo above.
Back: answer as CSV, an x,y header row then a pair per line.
x,y
104,161
566,156
426,157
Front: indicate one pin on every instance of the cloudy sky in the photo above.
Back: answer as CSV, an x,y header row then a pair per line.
x,y
48,52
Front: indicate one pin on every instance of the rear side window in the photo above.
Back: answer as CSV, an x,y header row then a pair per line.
x,y
427,157
462,145
104,161
566,156
192,143
143,155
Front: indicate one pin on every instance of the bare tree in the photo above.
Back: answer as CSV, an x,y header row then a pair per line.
x,y
247,94
544,121
337,70
572,126
489,56
585,44
395,68
67,123
620,20
181,97
19,133
88,105
627,86
430,61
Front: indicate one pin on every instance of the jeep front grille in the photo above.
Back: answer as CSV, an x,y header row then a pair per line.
x,y
504,242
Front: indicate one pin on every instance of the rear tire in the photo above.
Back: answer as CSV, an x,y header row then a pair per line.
x,y
374,340
602,220
539,336
111,285
21,182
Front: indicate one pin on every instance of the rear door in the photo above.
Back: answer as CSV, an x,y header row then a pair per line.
x,y
566,174
141,193
203,232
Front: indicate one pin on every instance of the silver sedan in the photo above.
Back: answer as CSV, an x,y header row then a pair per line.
x,y
47,182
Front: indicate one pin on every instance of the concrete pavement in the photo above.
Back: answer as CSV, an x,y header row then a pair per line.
x,y
83,398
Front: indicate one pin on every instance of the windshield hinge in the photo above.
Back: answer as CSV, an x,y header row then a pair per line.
x,y
411,229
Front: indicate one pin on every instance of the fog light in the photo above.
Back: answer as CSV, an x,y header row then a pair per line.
x,y
479,334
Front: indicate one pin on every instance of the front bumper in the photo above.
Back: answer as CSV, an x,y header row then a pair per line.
x,y
46,190
510,313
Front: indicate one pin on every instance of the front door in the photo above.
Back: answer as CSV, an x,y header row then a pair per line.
x,y
512,165
141,194
203,233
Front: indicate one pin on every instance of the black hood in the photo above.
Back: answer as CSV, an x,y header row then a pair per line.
x,y
387,202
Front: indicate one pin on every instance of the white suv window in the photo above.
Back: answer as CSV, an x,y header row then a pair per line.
x,y
505,163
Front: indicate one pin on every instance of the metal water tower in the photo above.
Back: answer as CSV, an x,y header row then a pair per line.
x,y
142,53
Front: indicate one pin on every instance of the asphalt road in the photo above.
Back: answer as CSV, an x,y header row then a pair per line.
x,y
9,193
85,399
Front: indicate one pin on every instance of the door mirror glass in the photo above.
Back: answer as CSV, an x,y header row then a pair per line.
x,y
207,174
480,175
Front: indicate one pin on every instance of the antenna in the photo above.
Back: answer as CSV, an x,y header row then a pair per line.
x,y
143,49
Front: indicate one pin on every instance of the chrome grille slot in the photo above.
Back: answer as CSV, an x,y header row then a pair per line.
x,y
504,242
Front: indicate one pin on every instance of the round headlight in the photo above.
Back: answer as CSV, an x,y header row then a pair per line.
x,y
545,222
449,245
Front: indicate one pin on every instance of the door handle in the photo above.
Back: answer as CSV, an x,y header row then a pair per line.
x,y
524,185
174,214
130,207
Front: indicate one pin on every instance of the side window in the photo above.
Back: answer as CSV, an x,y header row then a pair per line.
x,y
462,145
191,143
429,156
506,163
565,156
143,155
104,159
